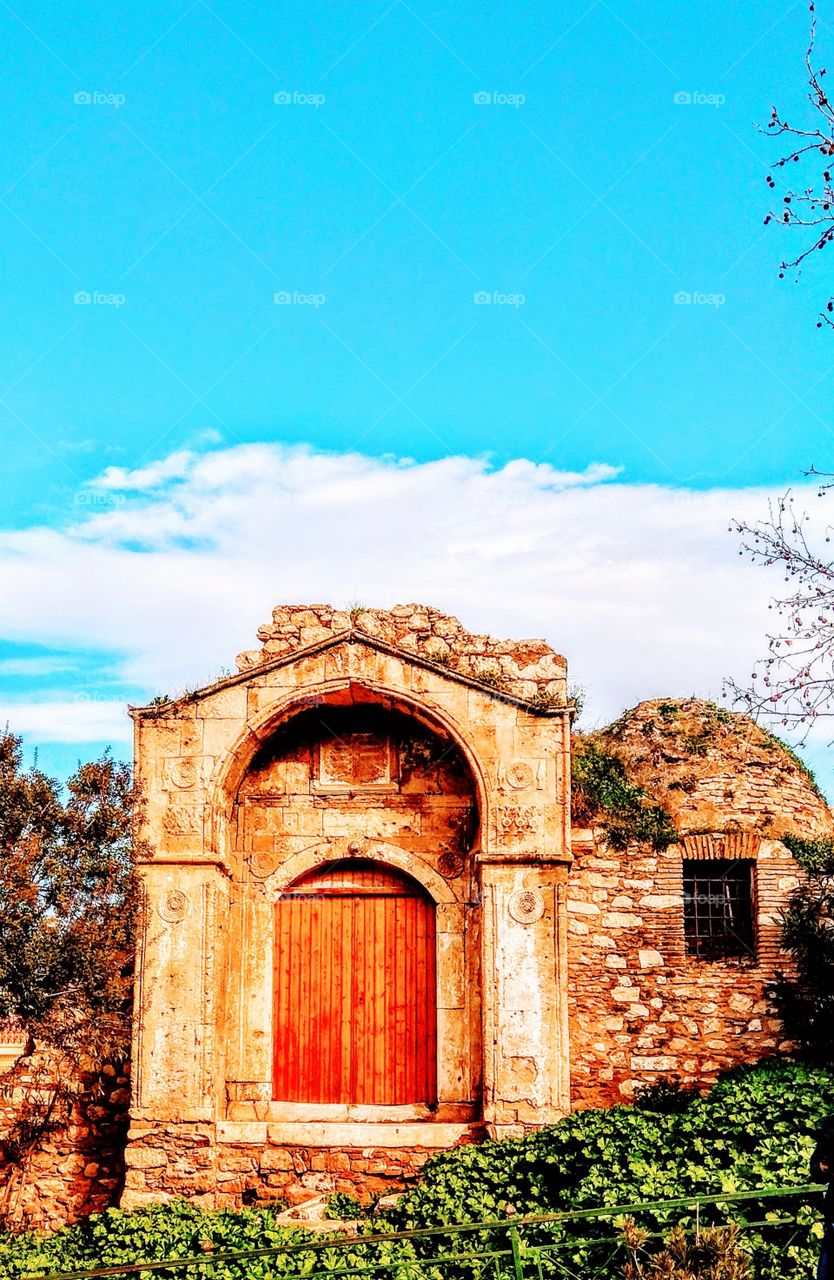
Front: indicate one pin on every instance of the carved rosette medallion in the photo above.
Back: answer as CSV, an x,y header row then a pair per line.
x,y
263,863
451,864
173,906
183,773
526,906
520,776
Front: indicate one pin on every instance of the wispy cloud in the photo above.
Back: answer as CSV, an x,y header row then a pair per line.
x,y
640,586
70,720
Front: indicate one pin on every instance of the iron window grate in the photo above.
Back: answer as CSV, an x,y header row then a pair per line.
x,y
718,907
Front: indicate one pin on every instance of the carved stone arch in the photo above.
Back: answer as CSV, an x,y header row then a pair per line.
x,y
232,768
370,851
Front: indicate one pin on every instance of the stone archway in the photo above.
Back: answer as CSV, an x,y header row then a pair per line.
x,y
358,783
231,816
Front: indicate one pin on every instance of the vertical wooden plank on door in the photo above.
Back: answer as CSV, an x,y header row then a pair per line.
x,y
420,1012
348,964
378,1085
314,1073
401,1067
331,984
429,953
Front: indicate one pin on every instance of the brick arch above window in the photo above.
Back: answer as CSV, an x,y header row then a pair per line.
x,y
721,844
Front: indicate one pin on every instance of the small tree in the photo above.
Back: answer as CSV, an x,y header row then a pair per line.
x,y
806,1000
68,905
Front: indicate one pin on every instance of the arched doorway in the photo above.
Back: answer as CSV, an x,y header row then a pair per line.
x,y
355,1013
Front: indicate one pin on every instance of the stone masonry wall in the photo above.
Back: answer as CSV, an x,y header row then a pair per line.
x,y
77,1167
525,668
642,1009
186,1162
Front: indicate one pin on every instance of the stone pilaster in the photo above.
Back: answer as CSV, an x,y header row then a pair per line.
x,y
180,980
526,1057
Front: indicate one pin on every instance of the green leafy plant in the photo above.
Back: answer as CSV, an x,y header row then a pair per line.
x,y
755,1129
603,795
805,997
344,1208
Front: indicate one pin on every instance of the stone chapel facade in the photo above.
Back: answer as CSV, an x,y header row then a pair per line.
x,y
370,932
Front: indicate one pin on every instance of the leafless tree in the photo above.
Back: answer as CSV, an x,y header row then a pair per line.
x,y
810,207
794,683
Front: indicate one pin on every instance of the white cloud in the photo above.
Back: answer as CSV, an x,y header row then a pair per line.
x,y
68,720
640,586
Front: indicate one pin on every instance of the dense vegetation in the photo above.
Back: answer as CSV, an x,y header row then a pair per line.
x,y
68,898
806,998
67,902
755,1129
603,795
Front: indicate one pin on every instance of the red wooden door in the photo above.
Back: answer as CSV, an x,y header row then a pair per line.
x,y
355,989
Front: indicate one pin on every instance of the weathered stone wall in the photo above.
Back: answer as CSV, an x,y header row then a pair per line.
x,y
641,1008
187,1162
524,668
77,1166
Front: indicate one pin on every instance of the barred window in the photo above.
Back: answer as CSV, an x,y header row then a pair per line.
x,y
718,907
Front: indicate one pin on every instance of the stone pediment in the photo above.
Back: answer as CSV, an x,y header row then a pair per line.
x,y
529,672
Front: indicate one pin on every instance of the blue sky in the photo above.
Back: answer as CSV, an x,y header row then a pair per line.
x,y
382,198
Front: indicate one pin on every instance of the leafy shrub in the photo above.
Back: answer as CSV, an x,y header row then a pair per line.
x,y
344,1208
161,1231
754,1130
806,998
602,793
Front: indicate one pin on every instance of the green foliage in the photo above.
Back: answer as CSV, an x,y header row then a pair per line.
x,y
806,997
577,696
67,902
755,1129
344,1208
813,855
162,1231
603,793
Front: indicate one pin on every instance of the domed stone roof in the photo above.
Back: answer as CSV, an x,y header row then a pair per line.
x,y
716,770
